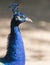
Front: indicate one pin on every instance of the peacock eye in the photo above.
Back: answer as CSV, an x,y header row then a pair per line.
x,y
21,16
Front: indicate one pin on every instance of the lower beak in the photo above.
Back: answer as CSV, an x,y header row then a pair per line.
x,y
28,19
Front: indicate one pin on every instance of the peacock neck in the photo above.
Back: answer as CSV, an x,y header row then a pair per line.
x,y
15,46
15,30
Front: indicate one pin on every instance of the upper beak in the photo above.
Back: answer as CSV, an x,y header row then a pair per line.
x,y
28,19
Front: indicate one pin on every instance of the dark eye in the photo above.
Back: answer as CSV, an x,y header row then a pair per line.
x,y
21,16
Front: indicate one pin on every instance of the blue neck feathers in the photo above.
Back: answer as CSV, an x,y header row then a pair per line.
x,y
15,46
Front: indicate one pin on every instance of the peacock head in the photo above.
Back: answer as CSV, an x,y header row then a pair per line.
x,y
18,17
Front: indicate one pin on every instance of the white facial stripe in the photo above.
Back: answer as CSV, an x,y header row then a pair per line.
x,y
19,17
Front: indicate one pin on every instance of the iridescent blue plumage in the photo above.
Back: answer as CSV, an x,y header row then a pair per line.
x,y
16,53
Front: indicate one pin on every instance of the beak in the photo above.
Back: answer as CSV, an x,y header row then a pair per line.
x,y
28,19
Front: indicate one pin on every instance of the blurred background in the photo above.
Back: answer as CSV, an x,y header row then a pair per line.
x,y
36,35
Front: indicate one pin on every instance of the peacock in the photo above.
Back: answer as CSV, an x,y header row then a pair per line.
x,y
15,50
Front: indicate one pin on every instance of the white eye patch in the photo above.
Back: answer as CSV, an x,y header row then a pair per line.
x,y
19,18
